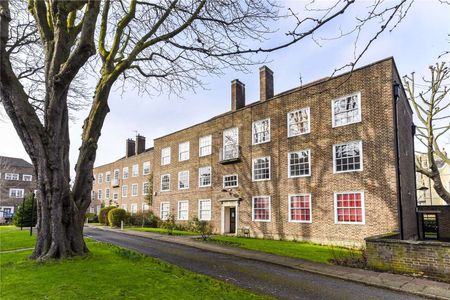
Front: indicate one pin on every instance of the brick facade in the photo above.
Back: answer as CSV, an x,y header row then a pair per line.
x,y
378,180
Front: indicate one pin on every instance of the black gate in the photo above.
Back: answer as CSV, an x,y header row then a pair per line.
x,y
430,226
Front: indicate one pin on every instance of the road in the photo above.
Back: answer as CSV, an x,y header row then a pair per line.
x,y
263,278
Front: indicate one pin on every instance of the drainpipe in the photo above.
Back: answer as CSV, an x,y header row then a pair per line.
x,y
396,88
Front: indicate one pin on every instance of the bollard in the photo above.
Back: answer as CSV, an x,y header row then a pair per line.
x,y
87,220
121,225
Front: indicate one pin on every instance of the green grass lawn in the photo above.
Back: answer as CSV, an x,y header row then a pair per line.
x,y
303,250
108,272
12,238
161,230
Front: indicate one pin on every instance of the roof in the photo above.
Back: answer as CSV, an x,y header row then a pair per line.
x,y
14,162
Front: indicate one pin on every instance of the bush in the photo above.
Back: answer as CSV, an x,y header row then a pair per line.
x,y
24,214
169,224
144,219
203,227
91,218
116,216
103,215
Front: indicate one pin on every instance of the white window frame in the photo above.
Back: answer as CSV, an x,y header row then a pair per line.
x,y
200,179
135,170
253,169
115,196
179,210
207,138
161,183
145,207
270,208
178,182
99,194
290,208
363,208
100,178
124,206
27,176
107,193
228,175
146,168
14,191
308,111
116,171
108,176
12,176
124,187
309,164
143,188
200,209
358,94
133,186
254,142
360,160
135,210
125,172
161,210
165,156
184,151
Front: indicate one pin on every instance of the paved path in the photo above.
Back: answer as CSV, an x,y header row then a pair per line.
x,y
262,277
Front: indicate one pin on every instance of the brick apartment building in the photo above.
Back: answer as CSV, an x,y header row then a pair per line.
x,y
16,180
331,161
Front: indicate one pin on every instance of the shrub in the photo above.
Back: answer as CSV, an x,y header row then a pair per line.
x,y
91,218
144,219
169,224
103,215
116,216
24,213
203,227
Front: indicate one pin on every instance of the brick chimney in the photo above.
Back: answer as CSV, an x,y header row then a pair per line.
x,y
265,83
130,148
237,95
140,144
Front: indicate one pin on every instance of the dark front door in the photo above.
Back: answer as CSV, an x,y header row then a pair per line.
x,y
430,226
232,219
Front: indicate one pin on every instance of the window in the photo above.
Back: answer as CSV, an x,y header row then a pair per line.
x,y
298,122
261,168
99,194
261,131
347,157
183,151
346,110
108,177
145,188
183,210
300,208
230,181
205,145
204,176
204,210
230,144
100,178
99,207
164,210
107,193
349,208
92,210
165,182
145,207
183,180
115,196
165,156
133,208
124,190
261,208
116,176
299,163
92,195
11,176
26,177
146,168
135,171
134,189
124,207
16,193
125,173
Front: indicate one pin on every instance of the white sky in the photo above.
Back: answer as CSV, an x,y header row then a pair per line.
x,y
415,44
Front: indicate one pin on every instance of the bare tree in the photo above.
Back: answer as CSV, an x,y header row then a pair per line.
x,y
432,107
154,45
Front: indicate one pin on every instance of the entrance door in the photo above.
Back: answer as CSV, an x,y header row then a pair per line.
x,y
430,226
232,219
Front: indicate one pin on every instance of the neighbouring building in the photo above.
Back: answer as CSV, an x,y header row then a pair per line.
x,y
331,162
16,180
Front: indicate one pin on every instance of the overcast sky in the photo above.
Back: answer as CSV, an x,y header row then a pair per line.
x,y
415,44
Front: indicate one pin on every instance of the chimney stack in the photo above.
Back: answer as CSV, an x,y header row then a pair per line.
x,y
265,83
237,95
130,148
140,144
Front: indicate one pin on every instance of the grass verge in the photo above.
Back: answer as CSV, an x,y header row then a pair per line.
x,y
12,238
302,250
108,272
